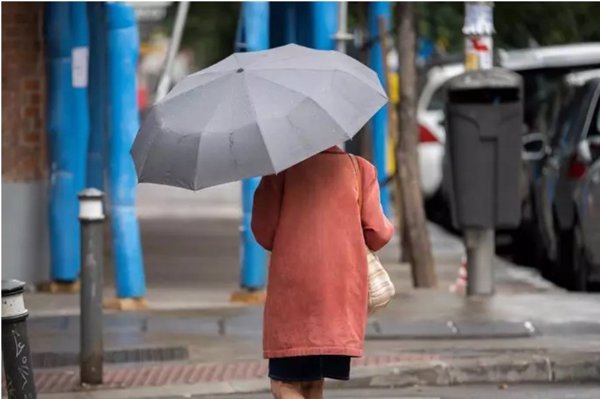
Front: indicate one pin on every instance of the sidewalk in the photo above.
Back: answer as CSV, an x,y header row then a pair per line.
x,y
193,341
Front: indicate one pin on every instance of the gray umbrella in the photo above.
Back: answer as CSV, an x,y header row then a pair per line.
x,y
254,114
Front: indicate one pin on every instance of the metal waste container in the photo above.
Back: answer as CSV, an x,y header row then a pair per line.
x,y
484,118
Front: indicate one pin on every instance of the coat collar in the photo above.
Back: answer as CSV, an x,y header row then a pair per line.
x,y
334,150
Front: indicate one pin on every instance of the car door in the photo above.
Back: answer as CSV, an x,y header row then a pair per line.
x,y
588,199
572,170
552,182
545,184
589,211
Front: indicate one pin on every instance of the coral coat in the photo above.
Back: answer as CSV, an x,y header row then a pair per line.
x,y
308,217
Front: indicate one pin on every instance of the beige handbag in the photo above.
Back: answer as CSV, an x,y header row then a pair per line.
x,y
381,288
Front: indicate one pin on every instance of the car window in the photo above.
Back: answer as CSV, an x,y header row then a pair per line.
x,y
594,132
438,99
567,114
594,129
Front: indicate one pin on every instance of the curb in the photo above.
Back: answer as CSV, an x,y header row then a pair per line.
x,y
500,369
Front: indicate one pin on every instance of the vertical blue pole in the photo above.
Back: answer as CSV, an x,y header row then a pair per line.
x,y
254,272
290,17
324,23
380,120
62,145
122,54
80,112
97,95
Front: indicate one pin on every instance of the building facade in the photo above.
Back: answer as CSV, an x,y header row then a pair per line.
x,y
25,253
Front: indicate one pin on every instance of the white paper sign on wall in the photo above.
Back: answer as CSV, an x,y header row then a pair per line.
x,y
79,61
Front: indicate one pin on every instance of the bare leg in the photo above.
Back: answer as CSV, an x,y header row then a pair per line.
x,y
313,389
287,390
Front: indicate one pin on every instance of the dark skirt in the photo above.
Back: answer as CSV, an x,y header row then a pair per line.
x,y
309,368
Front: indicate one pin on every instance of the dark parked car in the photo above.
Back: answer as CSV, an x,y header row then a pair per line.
x,y
566,157
586,235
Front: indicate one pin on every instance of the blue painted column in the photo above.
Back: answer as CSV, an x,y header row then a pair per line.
x,y
380,120
255,17
62,146
123,120
80,106
97,95
324,23
289,20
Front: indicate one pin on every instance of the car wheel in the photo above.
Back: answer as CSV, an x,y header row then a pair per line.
x,y
580,265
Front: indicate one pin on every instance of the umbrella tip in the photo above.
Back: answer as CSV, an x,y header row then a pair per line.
x,y
240,70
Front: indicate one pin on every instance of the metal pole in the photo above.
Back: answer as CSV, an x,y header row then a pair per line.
x,y
80,111
479,243
97,96
324,20
380,120
342,35
91,217
255,19
165,79
123,122
478,31
480,258
18,371
62,145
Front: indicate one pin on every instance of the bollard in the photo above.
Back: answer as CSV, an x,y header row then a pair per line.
x,y
91,217
18,371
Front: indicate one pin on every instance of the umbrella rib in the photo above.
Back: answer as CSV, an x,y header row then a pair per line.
x,y
269,55
257,124
149,149
322,70
309,54
307,97
169,98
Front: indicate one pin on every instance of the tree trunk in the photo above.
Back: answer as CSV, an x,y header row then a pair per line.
x,y
421,258
393,137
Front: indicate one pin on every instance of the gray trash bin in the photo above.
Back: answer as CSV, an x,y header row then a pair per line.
x,y
484,118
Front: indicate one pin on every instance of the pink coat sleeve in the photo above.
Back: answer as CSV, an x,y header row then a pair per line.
x,y
377,229
265,210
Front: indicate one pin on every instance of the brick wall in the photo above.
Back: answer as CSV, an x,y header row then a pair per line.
x,y
23,92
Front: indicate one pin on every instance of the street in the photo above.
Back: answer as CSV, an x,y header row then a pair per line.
x,y
554,391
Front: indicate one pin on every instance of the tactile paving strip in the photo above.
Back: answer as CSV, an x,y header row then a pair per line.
x,y
67,380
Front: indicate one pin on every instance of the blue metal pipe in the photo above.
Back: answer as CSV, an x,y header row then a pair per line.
x,y
289,20
123,120
380,120
324,24
62,146
255,17
80,107
97,95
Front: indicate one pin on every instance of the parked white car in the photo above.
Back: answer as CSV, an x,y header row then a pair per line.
x,y
432,134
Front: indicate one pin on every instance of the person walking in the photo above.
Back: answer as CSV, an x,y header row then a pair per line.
x,y
315,315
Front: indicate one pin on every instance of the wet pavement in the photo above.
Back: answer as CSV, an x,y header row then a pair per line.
x,y
502,391
192,267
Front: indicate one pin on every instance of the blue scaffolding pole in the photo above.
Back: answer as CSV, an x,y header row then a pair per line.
x,y
62,146
255,28
97,96
123,120
380,120
324,24
80,107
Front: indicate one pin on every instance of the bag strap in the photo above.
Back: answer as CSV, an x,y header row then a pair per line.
x,y
358,176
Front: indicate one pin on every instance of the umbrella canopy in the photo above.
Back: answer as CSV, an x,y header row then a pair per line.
x,y
254,114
